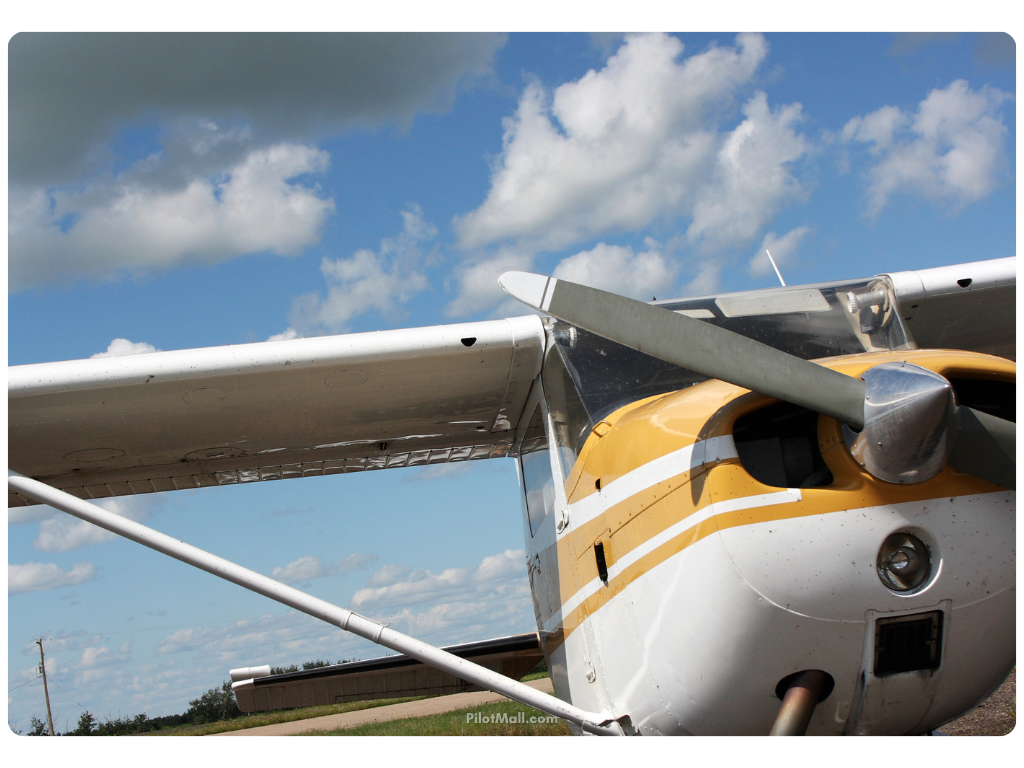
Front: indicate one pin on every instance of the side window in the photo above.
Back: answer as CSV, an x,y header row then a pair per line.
x,y
538,483
569,417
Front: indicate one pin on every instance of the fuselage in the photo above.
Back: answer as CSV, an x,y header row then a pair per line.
x,y
680,572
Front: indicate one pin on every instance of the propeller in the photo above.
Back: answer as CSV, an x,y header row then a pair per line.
x,y
903,423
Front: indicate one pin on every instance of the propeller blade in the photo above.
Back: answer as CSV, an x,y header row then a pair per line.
x,y
693,344
986,447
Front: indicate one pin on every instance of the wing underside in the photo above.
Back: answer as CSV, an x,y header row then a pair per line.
x,y
228,415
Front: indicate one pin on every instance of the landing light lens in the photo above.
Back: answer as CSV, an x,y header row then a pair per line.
x,y
904,562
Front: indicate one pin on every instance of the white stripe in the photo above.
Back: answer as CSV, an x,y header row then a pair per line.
x,y
549,292
686,524
643,477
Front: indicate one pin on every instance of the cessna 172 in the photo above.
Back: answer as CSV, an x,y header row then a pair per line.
x,y
713,523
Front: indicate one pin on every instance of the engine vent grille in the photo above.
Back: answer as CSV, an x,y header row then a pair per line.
x,y
908,643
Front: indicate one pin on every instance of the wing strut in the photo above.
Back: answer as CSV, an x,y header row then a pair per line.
x,y
340,617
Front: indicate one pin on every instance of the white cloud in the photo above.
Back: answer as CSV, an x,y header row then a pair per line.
x,y
367,281
706,281
36,512
286,335
422,585
121,347
618,269
388,574
132,224
638,140
781,248
63,533
434,471
31,577
309,567
952,149
274,639
751,178
478,287
94,657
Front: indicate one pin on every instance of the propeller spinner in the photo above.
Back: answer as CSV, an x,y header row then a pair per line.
x,y
902,422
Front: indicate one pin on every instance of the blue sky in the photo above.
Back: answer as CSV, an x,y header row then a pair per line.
x,y
320,193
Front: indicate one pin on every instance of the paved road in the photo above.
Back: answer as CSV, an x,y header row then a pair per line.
x,y
419,708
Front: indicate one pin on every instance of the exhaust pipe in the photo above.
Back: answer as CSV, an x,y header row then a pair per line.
x,y
800,693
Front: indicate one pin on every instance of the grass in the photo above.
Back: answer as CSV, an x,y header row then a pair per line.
x,y
535,676
457,723
272,718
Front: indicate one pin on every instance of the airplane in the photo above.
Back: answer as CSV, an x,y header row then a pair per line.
x,y
785,511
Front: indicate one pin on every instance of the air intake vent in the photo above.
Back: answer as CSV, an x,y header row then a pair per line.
x,y
908,643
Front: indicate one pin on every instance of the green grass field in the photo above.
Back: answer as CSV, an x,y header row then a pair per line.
x,y
272,718
463,722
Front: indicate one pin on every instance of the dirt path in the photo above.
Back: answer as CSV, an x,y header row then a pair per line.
x,y
993,717
381,714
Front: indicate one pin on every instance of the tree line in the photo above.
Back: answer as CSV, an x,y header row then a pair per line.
x,y
213,706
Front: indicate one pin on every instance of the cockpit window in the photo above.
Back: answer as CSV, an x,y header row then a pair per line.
x,y
587,377
538,481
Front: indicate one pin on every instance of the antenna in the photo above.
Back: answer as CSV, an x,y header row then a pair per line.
x,y
776,267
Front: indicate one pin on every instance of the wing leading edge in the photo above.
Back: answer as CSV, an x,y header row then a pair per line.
x,y
226,415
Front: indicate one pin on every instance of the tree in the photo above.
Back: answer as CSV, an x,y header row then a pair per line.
x,y
37,727
86,725
216,704
316,664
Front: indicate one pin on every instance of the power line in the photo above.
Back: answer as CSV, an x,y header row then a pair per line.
x,y
24,684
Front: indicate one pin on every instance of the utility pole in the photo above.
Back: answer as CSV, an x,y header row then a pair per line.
x,y
46,691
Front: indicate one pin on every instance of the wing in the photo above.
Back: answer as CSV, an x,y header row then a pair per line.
x,y
236,414
965,306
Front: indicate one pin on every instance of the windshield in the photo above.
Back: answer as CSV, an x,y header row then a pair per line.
x,y
587,377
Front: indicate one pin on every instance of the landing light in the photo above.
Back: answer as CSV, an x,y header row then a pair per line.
x,y
904,562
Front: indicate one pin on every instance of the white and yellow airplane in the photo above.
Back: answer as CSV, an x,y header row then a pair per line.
x,y
722,536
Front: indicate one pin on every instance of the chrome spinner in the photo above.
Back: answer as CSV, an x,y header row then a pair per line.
x,y
910,424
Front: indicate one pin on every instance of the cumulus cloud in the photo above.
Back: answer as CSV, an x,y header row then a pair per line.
x,y
380,281
706,279
63,533
388,574
477,284
393,586
308,568
121,347
69,94
638,140
614,268
284,638
33,514
94,657
782,250
31,577
126,223
952,149
751,179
